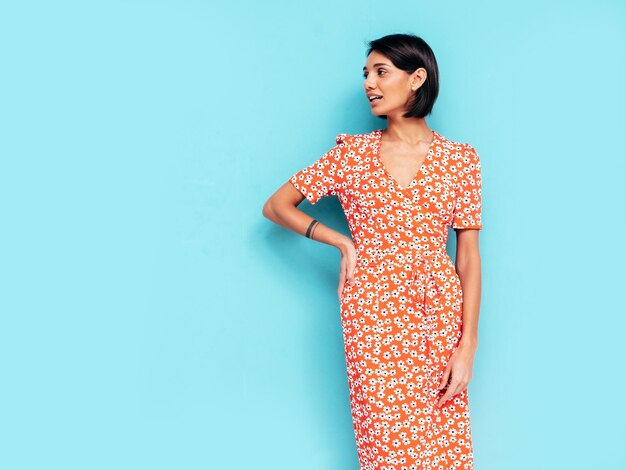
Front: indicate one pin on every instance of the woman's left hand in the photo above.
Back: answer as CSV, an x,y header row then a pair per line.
x,y
460,367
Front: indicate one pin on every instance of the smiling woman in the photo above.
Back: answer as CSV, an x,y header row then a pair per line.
x,y
409,315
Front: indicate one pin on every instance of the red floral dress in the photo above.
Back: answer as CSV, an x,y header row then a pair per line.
x,y
402,316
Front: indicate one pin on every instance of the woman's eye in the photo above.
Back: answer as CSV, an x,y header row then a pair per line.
x,y
381,71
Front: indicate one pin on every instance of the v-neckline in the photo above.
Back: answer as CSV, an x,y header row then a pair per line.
x,y
420,170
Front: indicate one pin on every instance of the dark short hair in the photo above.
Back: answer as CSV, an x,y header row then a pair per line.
x,y
409,52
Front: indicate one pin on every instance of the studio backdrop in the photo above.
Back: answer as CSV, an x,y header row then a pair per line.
x,y
152,318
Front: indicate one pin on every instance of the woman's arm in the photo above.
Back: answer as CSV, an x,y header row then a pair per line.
x,y
467,265
282,209
459,368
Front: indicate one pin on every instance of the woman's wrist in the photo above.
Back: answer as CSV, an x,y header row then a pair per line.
x,y
342,243
468,343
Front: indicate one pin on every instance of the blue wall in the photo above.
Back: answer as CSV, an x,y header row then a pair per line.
x,y
153,319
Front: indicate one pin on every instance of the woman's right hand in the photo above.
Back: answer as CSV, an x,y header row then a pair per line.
x,y
348,264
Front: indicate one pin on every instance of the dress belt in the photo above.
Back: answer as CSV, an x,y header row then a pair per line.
x,y
399,256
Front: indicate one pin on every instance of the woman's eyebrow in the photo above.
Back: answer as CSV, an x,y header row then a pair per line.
x,y
375,65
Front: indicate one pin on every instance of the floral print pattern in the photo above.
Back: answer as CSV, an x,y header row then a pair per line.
x,y
402,315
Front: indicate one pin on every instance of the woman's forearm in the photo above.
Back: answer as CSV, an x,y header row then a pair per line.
x,y
298,221
469,271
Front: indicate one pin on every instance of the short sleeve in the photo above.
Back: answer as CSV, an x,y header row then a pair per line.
x,y
324,177
468,205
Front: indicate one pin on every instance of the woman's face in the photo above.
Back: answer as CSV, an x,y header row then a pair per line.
x,y
395,86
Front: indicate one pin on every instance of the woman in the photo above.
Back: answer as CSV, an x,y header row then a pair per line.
x,y
409,316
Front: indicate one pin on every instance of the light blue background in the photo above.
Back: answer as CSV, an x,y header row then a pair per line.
x,y
153,319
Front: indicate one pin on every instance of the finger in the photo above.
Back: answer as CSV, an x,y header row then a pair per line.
x,y
455,390
458,387
351,270
342,272
342,281
449,393
348,274
442,400
444,379
445,398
